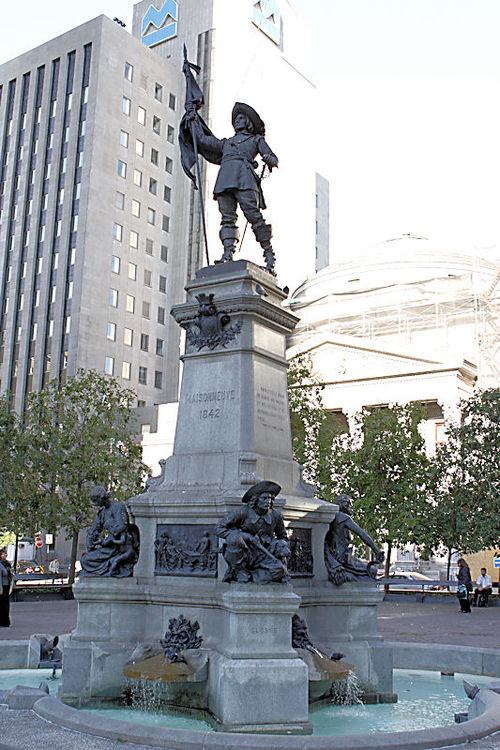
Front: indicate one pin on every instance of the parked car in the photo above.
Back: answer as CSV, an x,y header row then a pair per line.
x,y
29,566
411,580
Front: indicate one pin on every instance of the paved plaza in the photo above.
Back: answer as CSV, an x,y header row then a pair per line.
x,y
405,621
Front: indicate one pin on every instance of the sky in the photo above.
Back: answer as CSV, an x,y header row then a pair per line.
x,y
408,121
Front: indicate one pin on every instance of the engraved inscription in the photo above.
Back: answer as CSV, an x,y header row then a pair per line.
x,y
301,558
212,403
262,629
271,408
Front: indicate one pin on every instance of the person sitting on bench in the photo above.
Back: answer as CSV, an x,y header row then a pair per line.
x,y
483,589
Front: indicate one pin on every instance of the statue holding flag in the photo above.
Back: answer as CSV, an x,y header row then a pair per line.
x,y
237,182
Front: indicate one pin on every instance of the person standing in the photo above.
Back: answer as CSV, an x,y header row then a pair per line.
x,y
464,586
6,576
484,588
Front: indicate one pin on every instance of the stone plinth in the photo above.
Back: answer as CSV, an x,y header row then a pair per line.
x,y
257,682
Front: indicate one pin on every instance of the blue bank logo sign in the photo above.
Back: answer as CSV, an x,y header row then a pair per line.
x,y
267,17
159,25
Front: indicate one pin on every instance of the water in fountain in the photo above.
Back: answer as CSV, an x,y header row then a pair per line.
x,y
346,692
144,695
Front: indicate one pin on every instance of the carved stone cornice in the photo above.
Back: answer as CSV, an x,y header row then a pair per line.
x,y
185,314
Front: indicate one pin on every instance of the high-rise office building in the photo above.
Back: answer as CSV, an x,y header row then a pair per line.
x,y
99,227
91,256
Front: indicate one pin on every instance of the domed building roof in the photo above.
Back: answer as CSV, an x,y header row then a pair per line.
x,y
399,262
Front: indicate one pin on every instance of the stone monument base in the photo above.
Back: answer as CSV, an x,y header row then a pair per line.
x,y
257,682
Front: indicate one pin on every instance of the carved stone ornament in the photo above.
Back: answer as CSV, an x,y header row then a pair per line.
x,y
182,634
211,327
186,550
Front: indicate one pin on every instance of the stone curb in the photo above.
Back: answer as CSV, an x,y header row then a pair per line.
x,y
55,711
480,661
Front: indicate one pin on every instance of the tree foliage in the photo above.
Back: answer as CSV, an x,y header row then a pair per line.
x,y
313,429
467,477
81,434
383,466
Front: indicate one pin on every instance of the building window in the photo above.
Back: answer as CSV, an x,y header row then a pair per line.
x,y
113,297
132,271
164,253
129,71
169,165
137,177
128,336
167,193
126,105
122,168
162,285
151,216
120,200
161,315
134,239
158,379
139,147
165,223
115,264
171,101
126,370
158,92
117,232
144,342
130,303
124,138
143,375
154,156
136,208
109,365
111,335
140,403
147,277
141,115
153,186
170,134
159,347
149,246
146,310
156,125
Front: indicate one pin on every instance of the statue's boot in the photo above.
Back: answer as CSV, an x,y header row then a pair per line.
x,y
263,233
229,238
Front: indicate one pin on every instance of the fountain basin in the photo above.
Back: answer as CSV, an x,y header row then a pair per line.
x,y
183,739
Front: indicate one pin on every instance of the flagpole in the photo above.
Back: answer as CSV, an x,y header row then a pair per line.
x,y
202,207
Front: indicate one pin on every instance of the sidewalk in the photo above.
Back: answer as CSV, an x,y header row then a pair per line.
x,y
406,621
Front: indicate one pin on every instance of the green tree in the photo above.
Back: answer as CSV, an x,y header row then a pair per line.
x,y
383,466
82,434
20,490
467,478
313,428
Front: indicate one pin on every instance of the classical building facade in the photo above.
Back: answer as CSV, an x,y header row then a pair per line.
x,y
408,322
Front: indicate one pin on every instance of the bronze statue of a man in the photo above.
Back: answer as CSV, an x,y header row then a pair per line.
x,y
238,182
340,563
255,539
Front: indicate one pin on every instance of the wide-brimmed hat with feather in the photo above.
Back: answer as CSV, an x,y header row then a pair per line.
x,y
259,488
245,109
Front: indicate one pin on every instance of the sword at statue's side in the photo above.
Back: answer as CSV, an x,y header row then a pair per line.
x,y
187,135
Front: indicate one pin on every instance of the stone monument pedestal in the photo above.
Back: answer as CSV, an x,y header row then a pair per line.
x,y
257,682
233,430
